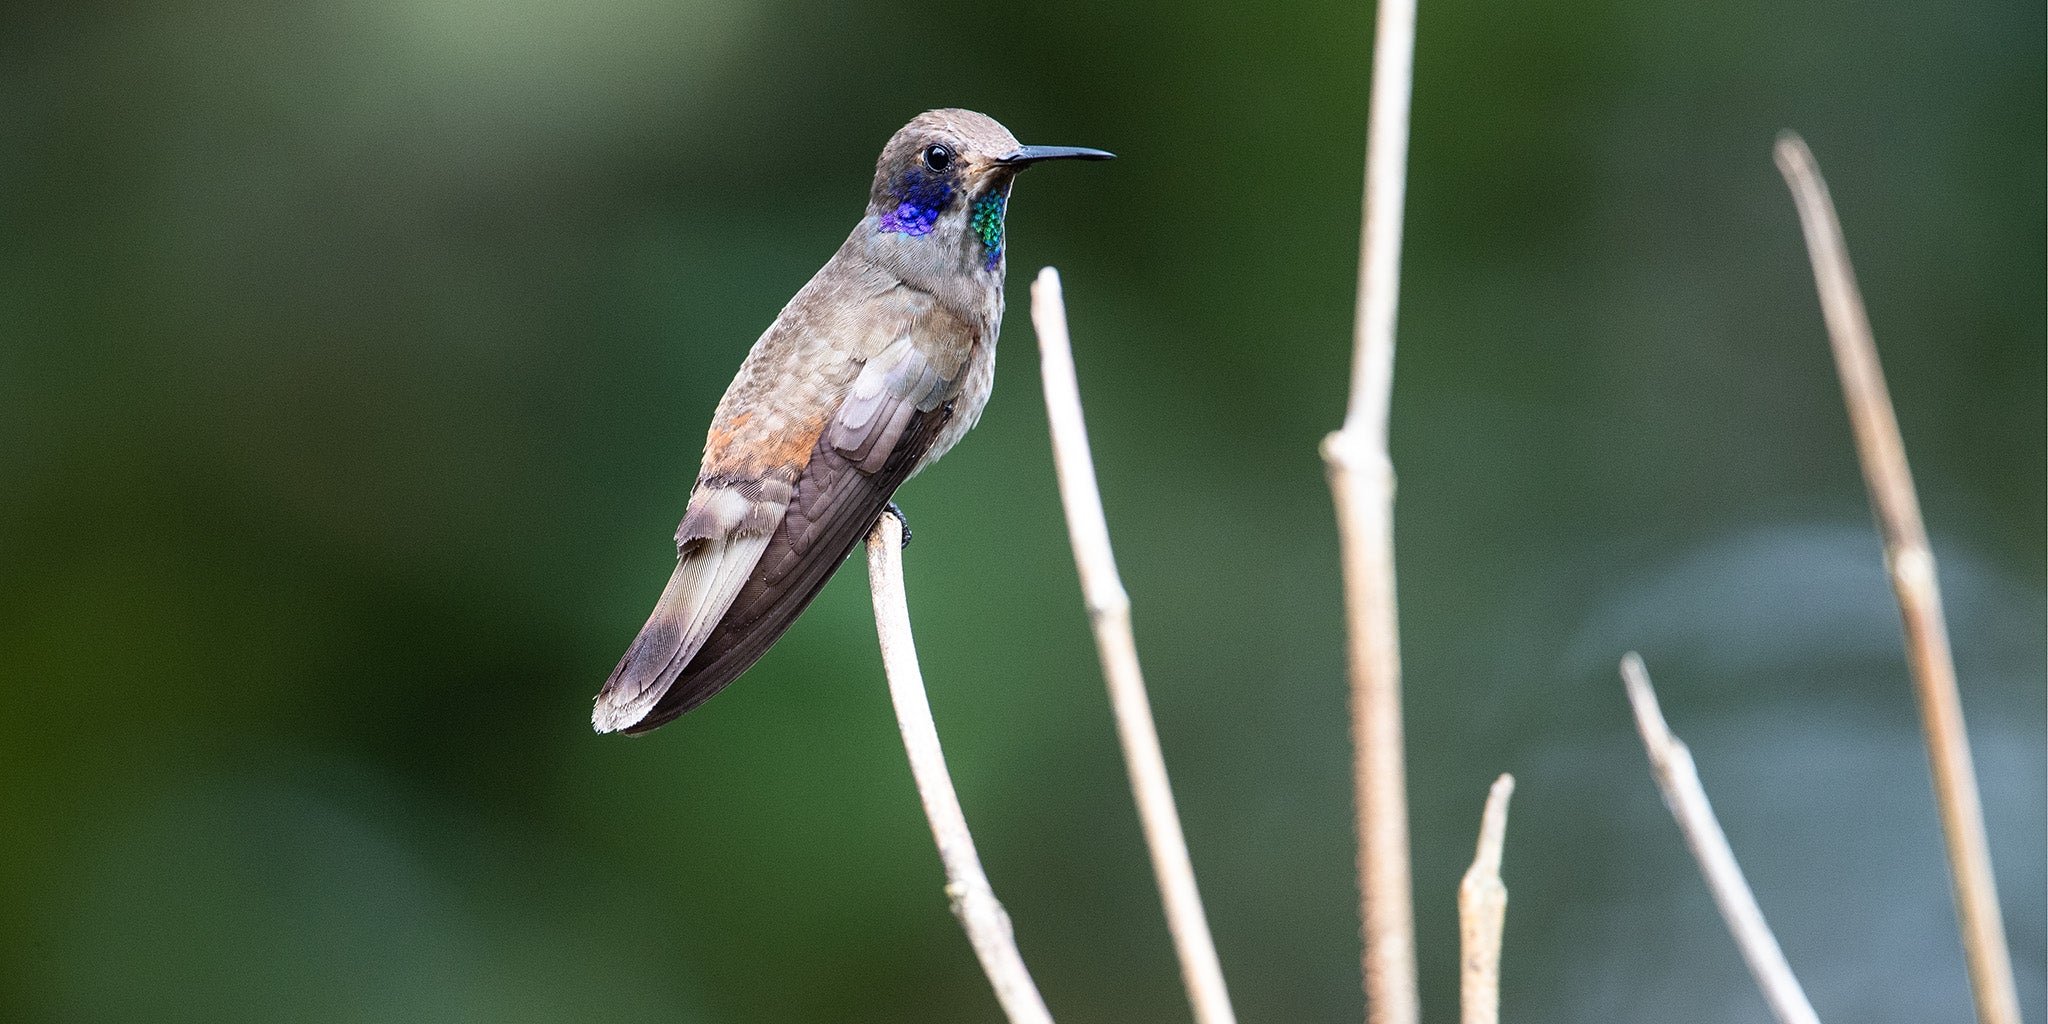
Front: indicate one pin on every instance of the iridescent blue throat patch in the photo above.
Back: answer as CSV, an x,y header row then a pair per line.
x,y
920,200
988,223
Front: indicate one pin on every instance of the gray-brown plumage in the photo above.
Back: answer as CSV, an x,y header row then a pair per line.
x,y
874,369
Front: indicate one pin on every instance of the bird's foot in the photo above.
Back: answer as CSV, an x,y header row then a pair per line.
x,y
893,509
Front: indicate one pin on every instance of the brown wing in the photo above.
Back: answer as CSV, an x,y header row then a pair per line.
x,y
872,443
834,506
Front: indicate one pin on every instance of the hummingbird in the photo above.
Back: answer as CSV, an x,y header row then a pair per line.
x,y
876,368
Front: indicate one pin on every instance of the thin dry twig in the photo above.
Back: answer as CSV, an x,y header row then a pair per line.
x,y
1362,485
1911,561
1483,912
1679,780
1109,614
967,888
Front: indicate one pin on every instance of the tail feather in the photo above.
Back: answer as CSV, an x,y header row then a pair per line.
x,y
703,586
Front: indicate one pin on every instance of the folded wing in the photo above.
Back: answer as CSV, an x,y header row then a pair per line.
x,y
753,553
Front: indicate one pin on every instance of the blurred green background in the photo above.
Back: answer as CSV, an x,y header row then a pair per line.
x,y
355,359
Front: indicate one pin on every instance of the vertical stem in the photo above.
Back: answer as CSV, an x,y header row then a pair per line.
x,y
1362,486
1109,614
1363,495
967,889
1379,243
1482,913
1911,561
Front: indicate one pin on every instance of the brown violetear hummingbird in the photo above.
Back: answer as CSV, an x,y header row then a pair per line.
x,y
873,370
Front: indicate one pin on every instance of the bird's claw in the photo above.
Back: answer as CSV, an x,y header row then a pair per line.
x,y
896,510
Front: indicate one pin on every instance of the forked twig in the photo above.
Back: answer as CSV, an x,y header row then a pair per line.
x,y
1109,614
1362,486
967,888
1679,780
1911,562
1482,913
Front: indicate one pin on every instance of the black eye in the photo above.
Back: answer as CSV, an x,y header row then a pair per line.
x,y
938,158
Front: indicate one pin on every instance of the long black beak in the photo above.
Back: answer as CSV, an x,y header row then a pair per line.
x,y
1025,156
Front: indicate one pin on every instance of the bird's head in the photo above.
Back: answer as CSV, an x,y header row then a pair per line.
x,y
943,183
